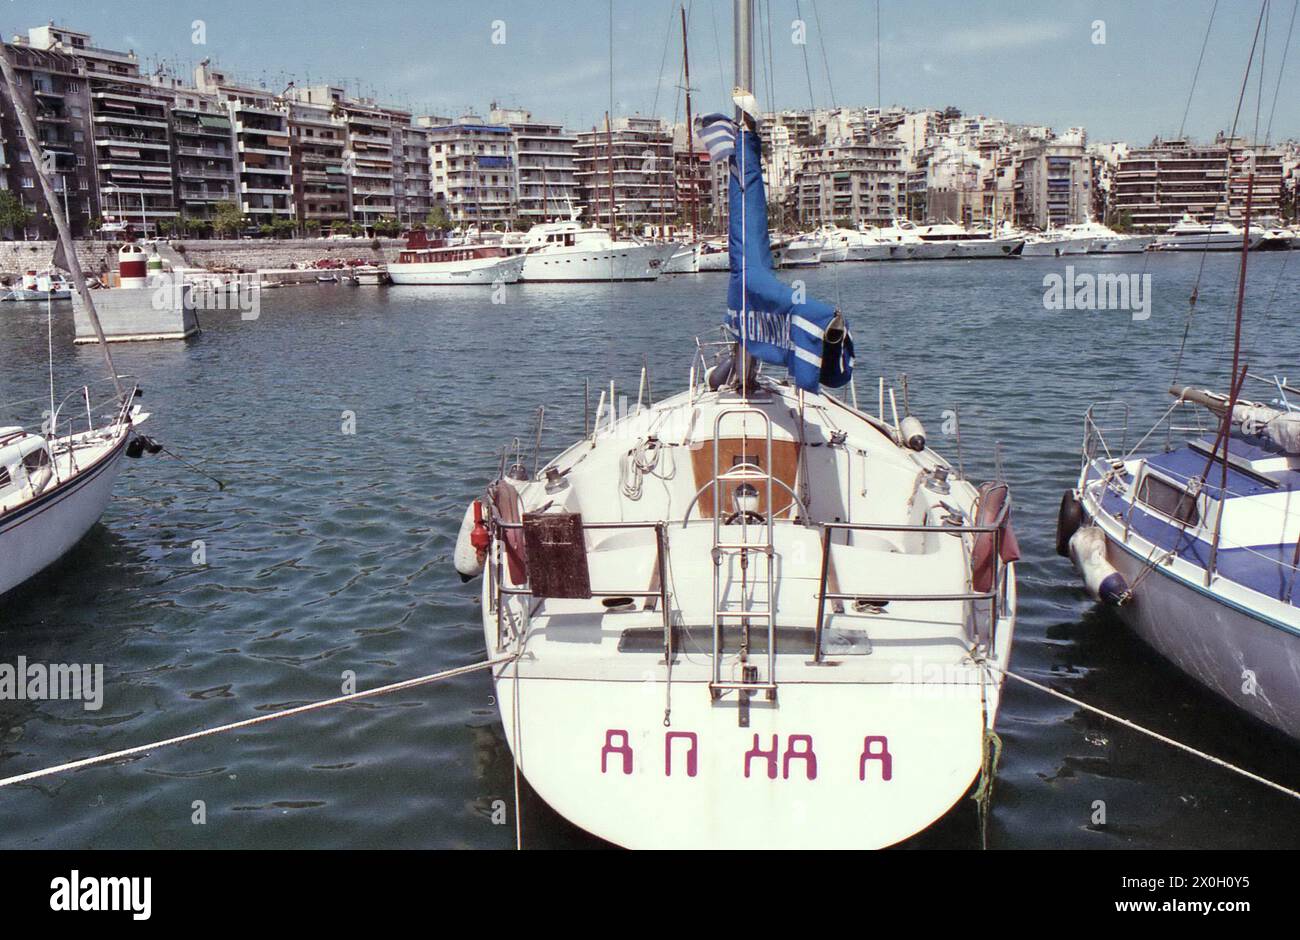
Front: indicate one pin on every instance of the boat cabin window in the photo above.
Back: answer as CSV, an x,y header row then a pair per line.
x,y
5,478
1168,499
36,460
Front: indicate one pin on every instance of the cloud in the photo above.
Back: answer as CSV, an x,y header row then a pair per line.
x,y
999,36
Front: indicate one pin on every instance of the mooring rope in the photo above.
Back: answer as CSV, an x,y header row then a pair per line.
x,y
249,722
1218,761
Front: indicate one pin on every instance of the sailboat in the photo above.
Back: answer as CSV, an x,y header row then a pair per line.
x,y
54,485
749,614
1198,548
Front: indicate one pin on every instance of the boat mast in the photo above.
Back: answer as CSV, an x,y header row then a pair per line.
x,y
1235,379
56,211
609,165
744,82
690,139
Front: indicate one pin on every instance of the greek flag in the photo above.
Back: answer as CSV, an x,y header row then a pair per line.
x,y
718,132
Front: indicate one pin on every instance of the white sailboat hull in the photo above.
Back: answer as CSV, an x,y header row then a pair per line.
x,y
1216,640
39,533
599,754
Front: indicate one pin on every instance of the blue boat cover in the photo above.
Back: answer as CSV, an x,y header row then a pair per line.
x,y
780,324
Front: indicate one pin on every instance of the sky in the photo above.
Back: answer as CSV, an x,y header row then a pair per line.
x,y
1027,61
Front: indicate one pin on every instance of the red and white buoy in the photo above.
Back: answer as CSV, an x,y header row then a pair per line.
x,y
131,266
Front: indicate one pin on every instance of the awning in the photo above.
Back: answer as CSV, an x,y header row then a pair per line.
x,y
116,152
208,120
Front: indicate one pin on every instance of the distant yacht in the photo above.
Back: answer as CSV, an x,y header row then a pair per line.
x,y
901,238
438,263
1056,242
1188,234
950,240
836,242
802,251
869,244
1104,240
569,251
713,256
49,285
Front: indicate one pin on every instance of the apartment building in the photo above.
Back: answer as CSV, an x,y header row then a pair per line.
x,y
626,175
130,130
317,149
260,129
473,170
545,156
412,182
850,182
372,160
204,164
1153,187
1053,182
53,89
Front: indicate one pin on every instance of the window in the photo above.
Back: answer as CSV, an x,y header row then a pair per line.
x,y
28,182
5,479
36,460
1168,499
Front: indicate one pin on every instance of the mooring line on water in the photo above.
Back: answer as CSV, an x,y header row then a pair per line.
x,y
259,719
1218,761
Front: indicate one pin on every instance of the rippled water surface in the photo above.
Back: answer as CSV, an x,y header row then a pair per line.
x,y
329,552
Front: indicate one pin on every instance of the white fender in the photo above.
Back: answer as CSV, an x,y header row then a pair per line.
x,y
467,559
912,432
1088,552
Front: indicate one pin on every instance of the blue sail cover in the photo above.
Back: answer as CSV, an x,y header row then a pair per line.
x,y
781,324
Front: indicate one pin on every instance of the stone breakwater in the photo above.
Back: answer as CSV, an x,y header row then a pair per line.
x,y
247,255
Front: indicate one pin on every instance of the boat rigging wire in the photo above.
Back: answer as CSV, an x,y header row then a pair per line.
x,y
1227,183
257,720
1196,73
1217,761
821,41
1277,89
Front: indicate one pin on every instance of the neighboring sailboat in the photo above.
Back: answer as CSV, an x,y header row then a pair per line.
x,y
748,615
55,485
1198,547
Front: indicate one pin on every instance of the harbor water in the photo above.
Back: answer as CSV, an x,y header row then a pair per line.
x,y
352,425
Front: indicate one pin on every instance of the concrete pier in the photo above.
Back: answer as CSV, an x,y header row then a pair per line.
x,y
161,311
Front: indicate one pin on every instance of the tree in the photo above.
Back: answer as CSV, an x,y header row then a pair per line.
x,y
387,228
312,228
228,219
437,218
14,216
